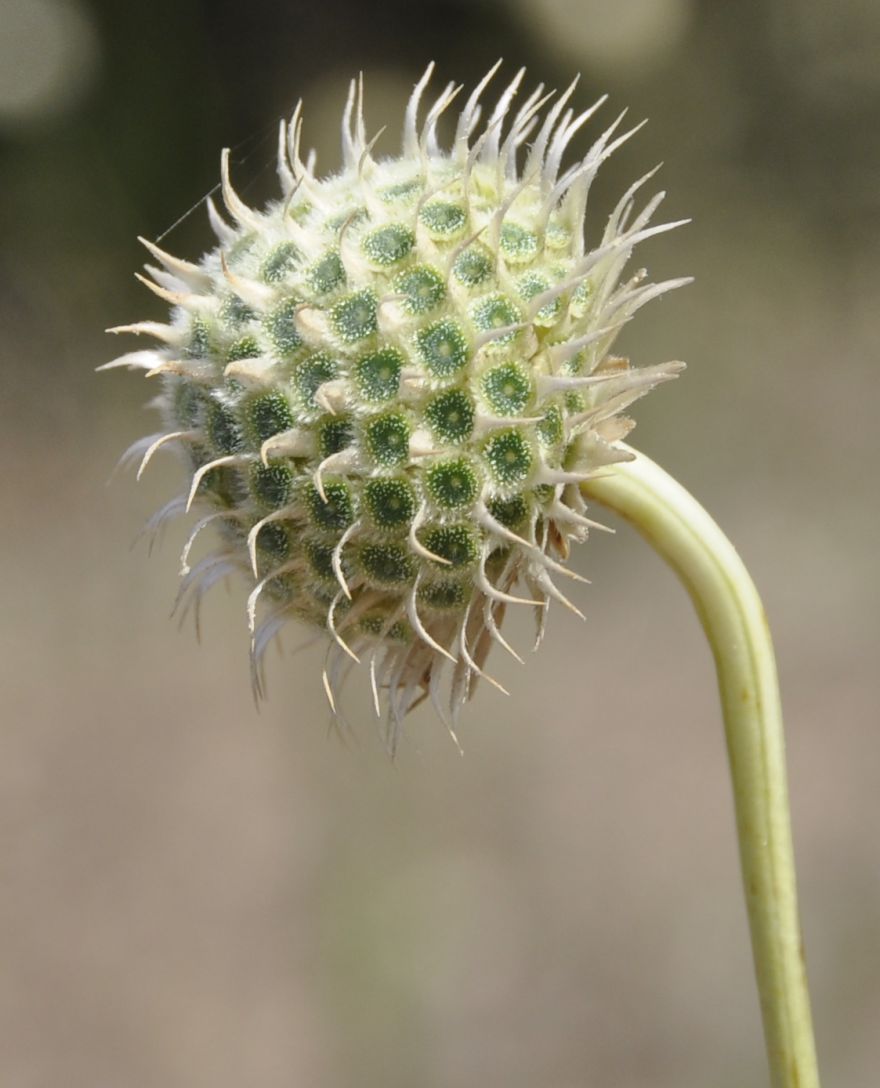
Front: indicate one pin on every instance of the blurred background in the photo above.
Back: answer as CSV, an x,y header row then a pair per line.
x,y
198,894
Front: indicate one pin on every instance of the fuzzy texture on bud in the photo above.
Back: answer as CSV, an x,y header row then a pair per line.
x,y
389,385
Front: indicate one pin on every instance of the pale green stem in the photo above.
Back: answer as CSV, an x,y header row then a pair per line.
x,y
730,610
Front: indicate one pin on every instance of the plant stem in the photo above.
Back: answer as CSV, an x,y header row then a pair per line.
x,y
733,618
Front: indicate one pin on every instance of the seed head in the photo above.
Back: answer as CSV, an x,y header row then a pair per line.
x,y
389,385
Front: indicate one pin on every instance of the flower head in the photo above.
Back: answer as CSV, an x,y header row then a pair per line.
x,y
389,385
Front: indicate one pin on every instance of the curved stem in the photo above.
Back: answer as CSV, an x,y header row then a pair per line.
x,y
730,610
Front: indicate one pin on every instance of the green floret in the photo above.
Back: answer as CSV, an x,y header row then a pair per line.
x,y
404,191
280,325
371,625
495,312
550,430
507,389
326,274
423,287
336,512
224,485
443,218
279,261
187,402
557,236
445,596
247,347
299,211
349,217
200,342
459,545
442,347
310,374
376,623
530,286
391,502
386,438
452,484
222,429
450,416
334,435
235,312
509,457
581,297
354,317
319,557
513,513
518,245
389,244
377,376
575,364
473,267
271,485
387,564
275,540
266,415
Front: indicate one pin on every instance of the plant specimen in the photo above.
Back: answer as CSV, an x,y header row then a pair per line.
x,y
393,391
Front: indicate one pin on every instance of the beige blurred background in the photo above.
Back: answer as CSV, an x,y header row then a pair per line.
x,y
197,894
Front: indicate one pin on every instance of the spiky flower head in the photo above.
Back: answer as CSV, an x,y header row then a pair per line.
x,y
389,385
